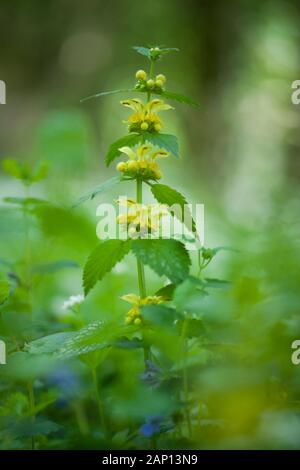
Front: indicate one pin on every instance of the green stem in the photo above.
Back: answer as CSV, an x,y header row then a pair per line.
x,y
151,72
99,401
140,266
31,408
185,378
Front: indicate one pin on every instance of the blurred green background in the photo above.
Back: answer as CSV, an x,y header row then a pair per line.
x,y
240,157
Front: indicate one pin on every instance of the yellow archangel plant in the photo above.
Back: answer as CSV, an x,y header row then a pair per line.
x,y
143,146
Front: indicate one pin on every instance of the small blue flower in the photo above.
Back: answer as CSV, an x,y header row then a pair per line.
x,y
65,381
150,427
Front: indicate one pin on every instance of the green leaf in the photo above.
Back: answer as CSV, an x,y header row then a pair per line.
x,y
4,291
93,337
189,295
49,268
216,283
107,93
166,195
167,141
102,259
166,292
142,50
193,327
159,314
48,344
170,95
152,53
14,168
102,188
22,171
30,202
40,173
129,140
165,257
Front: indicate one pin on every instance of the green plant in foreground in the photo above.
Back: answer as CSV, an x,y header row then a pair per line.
x,y
163,328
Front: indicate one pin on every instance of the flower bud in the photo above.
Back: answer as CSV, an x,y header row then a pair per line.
x,y
121,166
128,320
158,174
132,165
159,83
161,78
144,126
150,83
157,127
141,75
137,321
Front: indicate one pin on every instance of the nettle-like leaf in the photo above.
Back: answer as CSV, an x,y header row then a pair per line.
x,y
48,344
166,257
153,53
129,140
107,93
93,337
166,141
102,259
170,95
4,291
102,188
166,195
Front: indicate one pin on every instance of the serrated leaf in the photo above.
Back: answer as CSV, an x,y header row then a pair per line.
x,y
102,259
4,291
48,344
94,337
165,256
170,95
166,195
166,141
107,93
129,140
102,188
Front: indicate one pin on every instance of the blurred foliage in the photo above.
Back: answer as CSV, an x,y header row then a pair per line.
x,y
76,378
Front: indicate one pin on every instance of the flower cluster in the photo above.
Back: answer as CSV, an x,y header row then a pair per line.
x,y
150,85
141,162
145,117
140,219
134,314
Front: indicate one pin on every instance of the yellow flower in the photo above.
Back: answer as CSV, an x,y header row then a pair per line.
x,y
145,114
141,219
142,161
134,314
